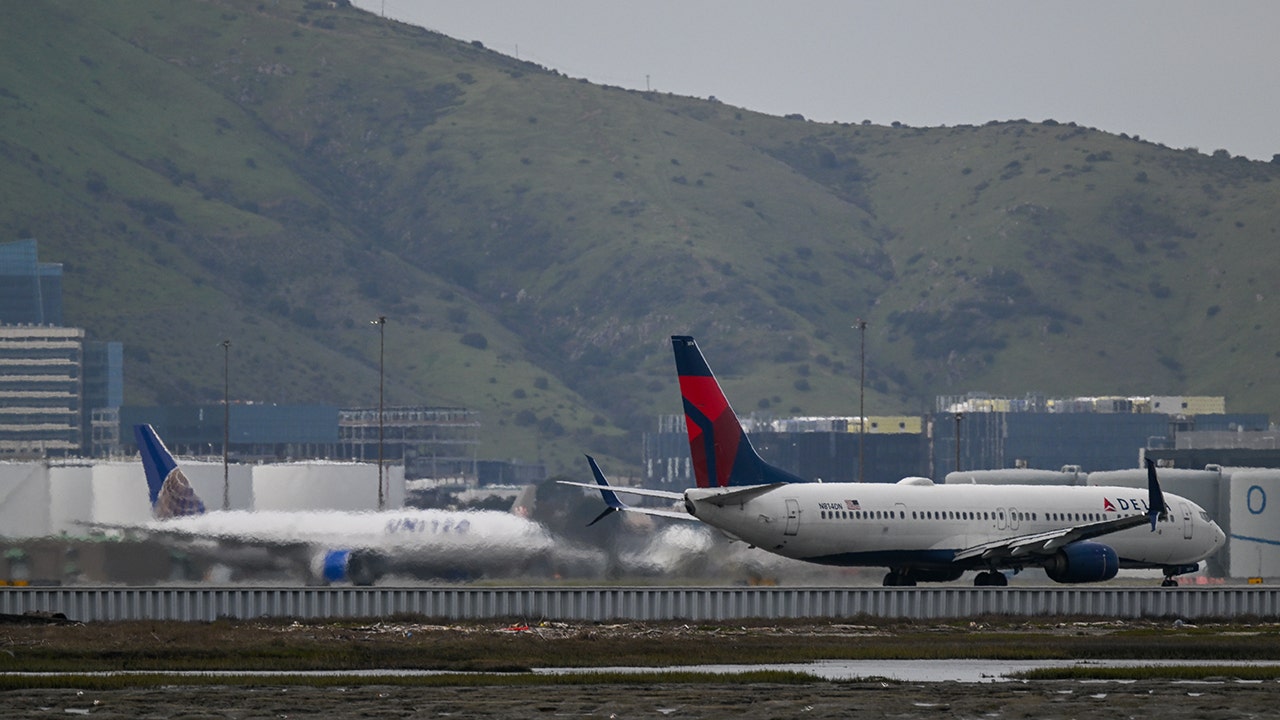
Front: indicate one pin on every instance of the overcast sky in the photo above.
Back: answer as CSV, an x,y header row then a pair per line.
x,y
1179,72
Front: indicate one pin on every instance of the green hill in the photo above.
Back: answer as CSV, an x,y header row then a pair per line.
x,y
281,173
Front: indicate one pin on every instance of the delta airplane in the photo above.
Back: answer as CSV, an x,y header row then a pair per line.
x,y
336,546
920,531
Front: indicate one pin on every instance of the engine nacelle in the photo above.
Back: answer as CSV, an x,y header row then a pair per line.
x,y
359,567
1083,562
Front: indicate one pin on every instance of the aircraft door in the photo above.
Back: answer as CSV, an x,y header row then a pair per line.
x,y
1001,522
1187,523
793,517
1013,518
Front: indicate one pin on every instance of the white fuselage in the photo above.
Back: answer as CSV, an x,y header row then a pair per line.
x,y
476,540
413,529
863,524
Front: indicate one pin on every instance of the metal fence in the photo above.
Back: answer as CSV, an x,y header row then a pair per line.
x,y
637,603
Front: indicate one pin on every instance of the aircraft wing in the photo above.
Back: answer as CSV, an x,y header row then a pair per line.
x,y
1043,544
1046,543
203,537
615,504
245,555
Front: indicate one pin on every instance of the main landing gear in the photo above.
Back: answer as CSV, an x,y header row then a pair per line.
x,y
899,578
990,578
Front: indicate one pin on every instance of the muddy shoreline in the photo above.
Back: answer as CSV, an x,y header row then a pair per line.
x,y
1050,699
406,642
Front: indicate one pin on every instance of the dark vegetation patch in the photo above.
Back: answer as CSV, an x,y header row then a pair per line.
x,y
409,642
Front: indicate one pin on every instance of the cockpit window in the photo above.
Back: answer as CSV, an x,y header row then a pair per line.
x,y
1205,516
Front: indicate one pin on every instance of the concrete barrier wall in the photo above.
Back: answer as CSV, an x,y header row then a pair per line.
x,y
647,603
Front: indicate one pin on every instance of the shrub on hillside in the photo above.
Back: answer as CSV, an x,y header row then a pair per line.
x,y
475,340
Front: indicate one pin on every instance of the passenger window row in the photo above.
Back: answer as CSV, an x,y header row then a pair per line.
x,y
967,515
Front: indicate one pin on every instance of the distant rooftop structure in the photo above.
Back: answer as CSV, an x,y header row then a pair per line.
x,y
876,424
826,447
976,402
1239,439
835,423
431,442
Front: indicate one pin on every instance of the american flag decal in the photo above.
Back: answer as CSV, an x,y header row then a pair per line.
x,y
852,505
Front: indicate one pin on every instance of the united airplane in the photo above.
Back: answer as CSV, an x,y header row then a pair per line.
x,y
920,531
335,546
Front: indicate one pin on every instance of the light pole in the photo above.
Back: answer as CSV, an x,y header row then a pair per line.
x,y
862,395
381,322
226,421
959,417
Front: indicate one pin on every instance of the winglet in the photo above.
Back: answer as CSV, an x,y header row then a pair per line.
x,y
610,497
1156,508
171,493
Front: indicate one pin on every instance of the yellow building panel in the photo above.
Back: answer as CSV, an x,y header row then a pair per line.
x,y
893,424
1205,405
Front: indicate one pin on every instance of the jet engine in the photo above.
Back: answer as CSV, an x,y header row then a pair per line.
x,y
1083,562
359,567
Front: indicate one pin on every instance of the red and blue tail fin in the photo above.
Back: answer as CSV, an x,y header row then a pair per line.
x,y
721,451
171,493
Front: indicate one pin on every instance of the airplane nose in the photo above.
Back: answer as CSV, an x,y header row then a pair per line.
x,y
1219,536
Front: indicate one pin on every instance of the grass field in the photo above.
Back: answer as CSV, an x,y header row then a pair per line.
x,y
408,643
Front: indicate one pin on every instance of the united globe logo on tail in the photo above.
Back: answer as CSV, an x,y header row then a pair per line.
x,y
171,492
176,498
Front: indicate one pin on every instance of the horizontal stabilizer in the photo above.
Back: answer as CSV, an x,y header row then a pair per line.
x,y
615,504
737,497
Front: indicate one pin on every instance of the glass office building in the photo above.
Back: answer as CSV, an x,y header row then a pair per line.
x,y
30,291
52,381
